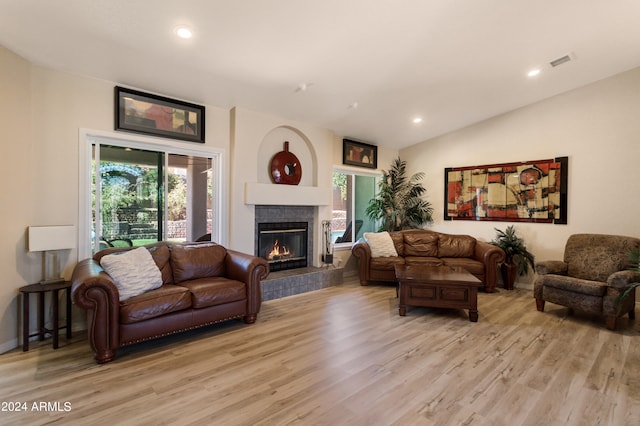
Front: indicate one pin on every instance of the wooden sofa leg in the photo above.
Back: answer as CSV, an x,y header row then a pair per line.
x,y
632,313
102,357
250,319
610,321
540,305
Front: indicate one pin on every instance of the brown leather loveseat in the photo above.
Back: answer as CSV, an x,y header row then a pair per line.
x,y
421,246
202,284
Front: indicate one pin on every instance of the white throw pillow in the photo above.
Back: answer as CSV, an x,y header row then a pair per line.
x,y
134,272
381,244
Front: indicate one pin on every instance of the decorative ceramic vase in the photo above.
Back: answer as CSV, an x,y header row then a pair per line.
x,y
285,167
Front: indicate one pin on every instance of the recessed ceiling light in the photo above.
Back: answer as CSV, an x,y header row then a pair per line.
x,y
183,32
533,72
417,120
302,87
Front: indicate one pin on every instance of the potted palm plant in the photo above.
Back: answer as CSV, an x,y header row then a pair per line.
x,y
518,258
399,203
634,259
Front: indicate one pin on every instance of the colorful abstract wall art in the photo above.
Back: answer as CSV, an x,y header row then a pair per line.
x,y
531,191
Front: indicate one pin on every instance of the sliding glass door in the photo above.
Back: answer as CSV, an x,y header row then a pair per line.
x,y
127,196
351,195
140,196
189,198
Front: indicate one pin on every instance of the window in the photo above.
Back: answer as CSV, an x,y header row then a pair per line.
x,y
351,195
138,193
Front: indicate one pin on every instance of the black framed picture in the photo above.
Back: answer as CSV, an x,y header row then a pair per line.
x,y
359,154
526,191
155,115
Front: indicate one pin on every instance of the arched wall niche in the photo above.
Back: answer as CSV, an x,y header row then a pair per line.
x,y
299,145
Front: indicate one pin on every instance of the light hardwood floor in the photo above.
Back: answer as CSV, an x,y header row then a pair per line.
x,y
343,355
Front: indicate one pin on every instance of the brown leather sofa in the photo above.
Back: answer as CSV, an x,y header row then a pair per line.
x,y
202,284
421,246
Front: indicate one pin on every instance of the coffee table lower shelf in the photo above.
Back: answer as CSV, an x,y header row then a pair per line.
x,y
437,287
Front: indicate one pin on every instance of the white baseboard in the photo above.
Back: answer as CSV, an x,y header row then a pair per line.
x,y
7,346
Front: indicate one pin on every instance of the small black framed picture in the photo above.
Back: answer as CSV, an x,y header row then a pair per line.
x,y
155,115
359,154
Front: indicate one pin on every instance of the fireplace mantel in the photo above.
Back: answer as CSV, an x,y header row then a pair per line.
x,y
285,195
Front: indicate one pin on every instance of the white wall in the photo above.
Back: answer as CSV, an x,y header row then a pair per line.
x,y
596,126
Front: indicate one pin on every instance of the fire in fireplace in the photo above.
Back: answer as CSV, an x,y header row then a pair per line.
x,y
279,252
283,244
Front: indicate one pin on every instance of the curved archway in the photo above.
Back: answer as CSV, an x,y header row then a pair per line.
x,y
299,144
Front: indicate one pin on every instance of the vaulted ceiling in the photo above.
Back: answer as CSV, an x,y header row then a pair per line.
x,y
362,68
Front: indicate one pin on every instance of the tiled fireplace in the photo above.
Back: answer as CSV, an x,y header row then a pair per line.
x,y
283,244
284,222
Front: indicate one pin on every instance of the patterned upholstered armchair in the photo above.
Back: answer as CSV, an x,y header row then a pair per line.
x,y
594,272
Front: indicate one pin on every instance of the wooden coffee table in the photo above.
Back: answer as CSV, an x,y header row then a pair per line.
x,y
437,287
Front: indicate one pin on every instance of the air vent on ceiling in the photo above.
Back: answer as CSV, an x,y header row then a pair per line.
x,y
560,61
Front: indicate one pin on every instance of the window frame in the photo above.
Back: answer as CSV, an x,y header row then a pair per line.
x,y
88,138
377,175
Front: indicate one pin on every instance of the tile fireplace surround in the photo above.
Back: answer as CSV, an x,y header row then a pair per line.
x,y
286,214
294,281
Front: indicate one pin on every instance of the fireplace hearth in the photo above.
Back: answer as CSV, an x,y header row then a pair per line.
x,y
283,244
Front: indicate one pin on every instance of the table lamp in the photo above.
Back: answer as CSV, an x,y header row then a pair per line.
x,y
48,239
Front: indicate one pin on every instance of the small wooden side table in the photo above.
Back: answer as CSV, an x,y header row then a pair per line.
x,y
41,290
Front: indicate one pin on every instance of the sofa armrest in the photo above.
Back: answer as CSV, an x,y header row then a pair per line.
x,y
250,270
623,279
613,303
547,267
491,256
362,251
94,290
88,276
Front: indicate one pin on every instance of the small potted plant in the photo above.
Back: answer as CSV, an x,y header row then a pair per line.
x,y
634,259
518,258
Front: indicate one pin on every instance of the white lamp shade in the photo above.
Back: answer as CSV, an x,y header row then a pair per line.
x,y
43,238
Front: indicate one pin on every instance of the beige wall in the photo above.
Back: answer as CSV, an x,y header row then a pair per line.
x,y
43,110
16,183
342,256
256,137
597,127
41,113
